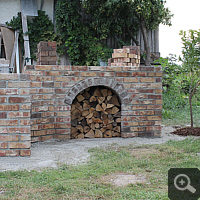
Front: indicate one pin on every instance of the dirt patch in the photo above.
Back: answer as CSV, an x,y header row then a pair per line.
x,y
187,131
124,179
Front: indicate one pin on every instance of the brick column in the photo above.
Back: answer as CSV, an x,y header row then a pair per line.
x,y
15,104
46,53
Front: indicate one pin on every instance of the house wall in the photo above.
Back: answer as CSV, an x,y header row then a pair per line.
x,y
10,8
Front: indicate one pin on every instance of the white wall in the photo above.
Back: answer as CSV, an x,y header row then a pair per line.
x,y
10,8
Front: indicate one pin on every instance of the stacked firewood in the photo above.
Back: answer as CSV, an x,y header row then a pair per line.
x,y
128,56
96,113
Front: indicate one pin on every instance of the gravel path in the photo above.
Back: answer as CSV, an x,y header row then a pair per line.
x,y
51,153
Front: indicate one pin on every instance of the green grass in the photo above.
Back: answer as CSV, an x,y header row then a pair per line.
x,y
176,110
86,181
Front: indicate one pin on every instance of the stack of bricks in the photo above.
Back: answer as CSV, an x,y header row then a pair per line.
x,y
128,56
15,105
46,53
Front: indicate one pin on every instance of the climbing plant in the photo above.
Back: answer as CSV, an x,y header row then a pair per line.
x,y
81,21
40,28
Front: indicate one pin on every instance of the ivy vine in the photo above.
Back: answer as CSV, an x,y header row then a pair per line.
x,y
83,45
40,28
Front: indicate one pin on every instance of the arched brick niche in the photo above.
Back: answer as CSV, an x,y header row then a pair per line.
x,y
88,82
96,113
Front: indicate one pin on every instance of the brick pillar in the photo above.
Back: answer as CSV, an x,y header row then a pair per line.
x,y
15,105
46,53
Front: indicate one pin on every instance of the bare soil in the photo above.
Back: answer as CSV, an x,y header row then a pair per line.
x,y
187,131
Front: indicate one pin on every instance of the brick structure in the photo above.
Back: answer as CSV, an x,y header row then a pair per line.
x,y
49,90
15,106
46,53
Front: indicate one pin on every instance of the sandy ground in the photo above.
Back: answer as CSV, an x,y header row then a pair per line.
x,y
53,153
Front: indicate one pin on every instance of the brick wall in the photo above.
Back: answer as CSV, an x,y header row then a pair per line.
x,y
36,106
53,89
15,105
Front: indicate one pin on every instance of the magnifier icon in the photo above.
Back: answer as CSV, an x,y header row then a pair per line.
x,y
181,182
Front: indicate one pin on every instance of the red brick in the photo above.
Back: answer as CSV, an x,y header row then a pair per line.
x,y
46,90
2,99
3,145
146,123
154,96
130,80
51,131
19,145
79,68
19,99
25,122
63,131
155,74
113,68
147,112
4,153
62,137
44,78
43,67
61,79
24,92
3,130
130,123
63,119
19,130
153,128
25,152
39,133
48,84
139,74
63,114
153,118
52,43
134,129
3,115
147,80
9,138
25,107
62,108
139,118
36,84
52,54
53,73
23,84
106,74
8,122
45,138
25,137
61,67
123,74
139,107
71,73
90,74
146,90
47,126
61,91
154,107
65,125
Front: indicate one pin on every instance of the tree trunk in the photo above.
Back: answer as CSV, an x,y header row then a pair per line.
x,y
191,113
146,42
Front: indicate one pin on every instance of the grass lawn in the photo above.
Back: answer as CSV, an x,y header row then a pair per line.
x,y
93,180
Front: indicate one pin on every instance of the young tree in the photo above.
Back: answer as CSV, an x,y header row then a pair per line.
x,y
149,14
191,62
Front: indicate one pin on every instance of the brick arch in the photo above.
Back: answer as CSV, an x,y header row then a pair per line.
x,y
89,82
